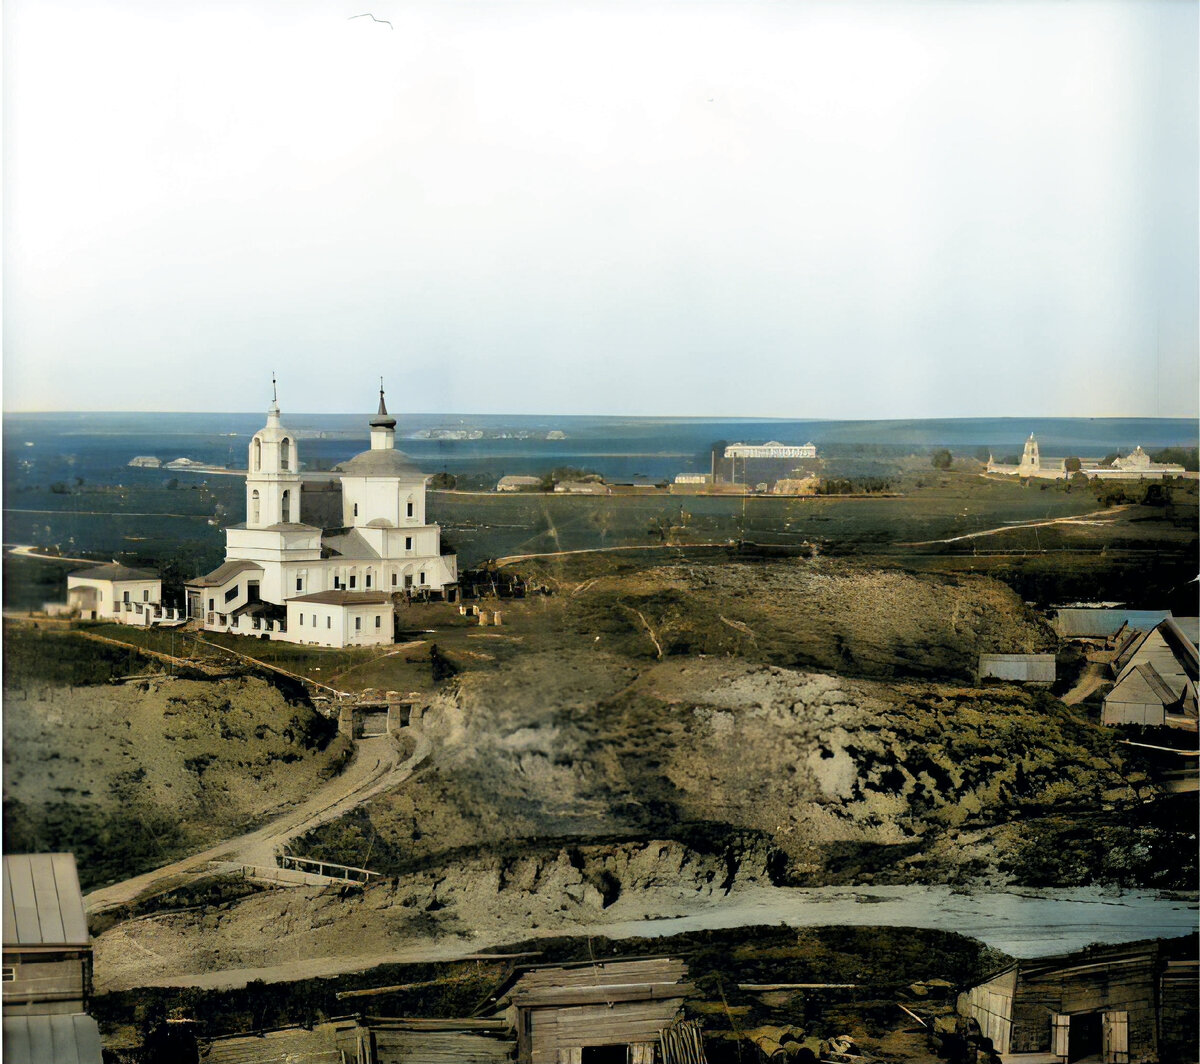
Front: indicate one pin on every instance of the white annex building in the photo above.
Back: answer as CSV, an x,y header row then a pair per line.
x,y
285,579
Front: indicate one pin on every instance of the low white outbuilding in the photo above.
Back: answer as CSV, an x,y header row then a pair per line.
x,y
340,619
113,592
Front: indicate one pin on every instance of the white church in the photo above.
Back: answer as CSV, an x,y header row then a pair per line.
x,y
288,580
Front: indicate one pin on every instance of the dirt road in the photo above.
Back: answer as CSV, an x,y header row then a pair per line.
x,y
377,765
1081,519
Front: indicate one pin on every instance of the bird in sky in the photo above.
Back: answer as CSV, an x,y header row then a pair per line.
x,y
367,14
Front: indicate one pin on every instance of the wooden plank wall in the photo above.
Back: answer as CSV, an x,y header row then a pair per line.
x,y
441,1047
1126,984
594,1025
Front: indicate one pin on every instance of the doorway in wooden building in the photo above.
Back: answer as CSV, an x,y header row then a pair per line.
x,y
1086,1037
605,1054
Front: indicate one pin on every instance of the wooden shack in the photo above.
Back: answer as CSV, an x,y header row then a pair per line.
x,y
47,951
1017,668
595,1012
1099,1004
369,1041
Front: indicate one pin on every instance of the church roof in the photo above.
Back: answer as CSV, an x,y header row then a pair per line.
x,y
115,571
223,573
382,420
380,462
350,544
344,598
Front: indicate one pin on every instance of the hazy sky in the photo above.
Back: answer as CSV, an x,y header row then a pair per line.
x,y
783,209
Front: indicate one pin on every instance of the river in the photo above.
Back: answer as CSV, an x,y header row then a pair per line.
x,y
1023,922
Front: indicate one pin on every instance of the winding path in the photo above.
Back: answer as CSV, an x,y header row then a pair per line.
x,y
377,765
1079,519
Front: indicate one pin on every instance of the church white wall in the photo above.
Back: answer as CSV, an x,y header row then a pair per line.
x,y
382,497
338,626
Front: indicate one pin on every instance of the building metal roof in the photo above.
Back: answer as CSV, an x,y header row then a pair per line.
x,y
64,1039
43,905
1101,623
114,571
344,598
350,543
1169,651
381,462
224,573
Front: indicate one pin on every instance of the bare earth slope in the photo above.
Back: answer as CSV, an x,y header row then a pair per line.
x,y
132,775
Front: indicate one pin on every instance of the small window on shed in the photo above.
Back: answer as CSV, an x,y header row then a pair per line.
x,y
10,974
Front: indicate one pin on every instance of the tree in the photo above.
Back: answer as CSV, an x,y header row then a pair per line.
x,y
1072,464
941,459
443,481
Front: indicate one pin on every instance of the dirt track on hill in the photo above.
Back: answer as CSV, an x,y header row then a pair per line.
x,y
378,764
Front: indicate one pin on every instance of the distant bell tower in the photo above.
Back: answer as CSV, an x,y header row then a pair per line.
x,y
1031,459
383,426
273,477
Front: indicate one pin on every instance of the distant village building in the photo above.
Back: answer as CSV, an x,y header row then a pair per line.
x,y
116,592
693,478
797,486
145,461
1157,673
279,569
1134,466
1108,1005
47,963
770,449
514,483
581,487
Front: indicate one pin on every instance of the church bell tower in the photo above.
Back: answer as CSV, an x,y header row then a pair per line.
x,y
273,477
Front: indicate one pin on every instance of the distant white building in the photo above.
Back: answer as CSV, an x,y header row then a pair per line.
x,y
770,449
343,575
145,461
515,483
1134,466
693,478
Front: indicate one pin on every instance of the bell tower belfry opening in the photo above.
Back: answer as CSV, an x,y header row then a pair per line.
x,y
273,477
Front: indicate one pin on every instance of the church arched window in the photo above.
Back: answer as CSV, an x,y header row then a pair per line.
x,y
287,506
285,454
255,510
257,454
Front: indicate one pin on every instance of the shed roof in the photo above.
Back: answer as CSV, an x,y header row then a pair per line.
x,y
114,571
64,1039
224,573
1100,623
344,598
654,978
43,905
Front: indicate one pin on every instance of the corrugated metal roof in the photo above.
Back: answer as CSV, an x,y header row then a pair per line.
x,y
43,905
69,1039
1101,623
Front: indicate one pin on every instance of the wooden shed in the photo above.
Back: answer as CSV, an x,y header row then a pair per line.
x,y
1017,668
596,1012
47,951
1156,672
1099,1004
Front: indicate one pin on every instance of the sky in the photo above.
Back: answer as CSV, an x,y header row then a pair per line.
x,y
782,209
